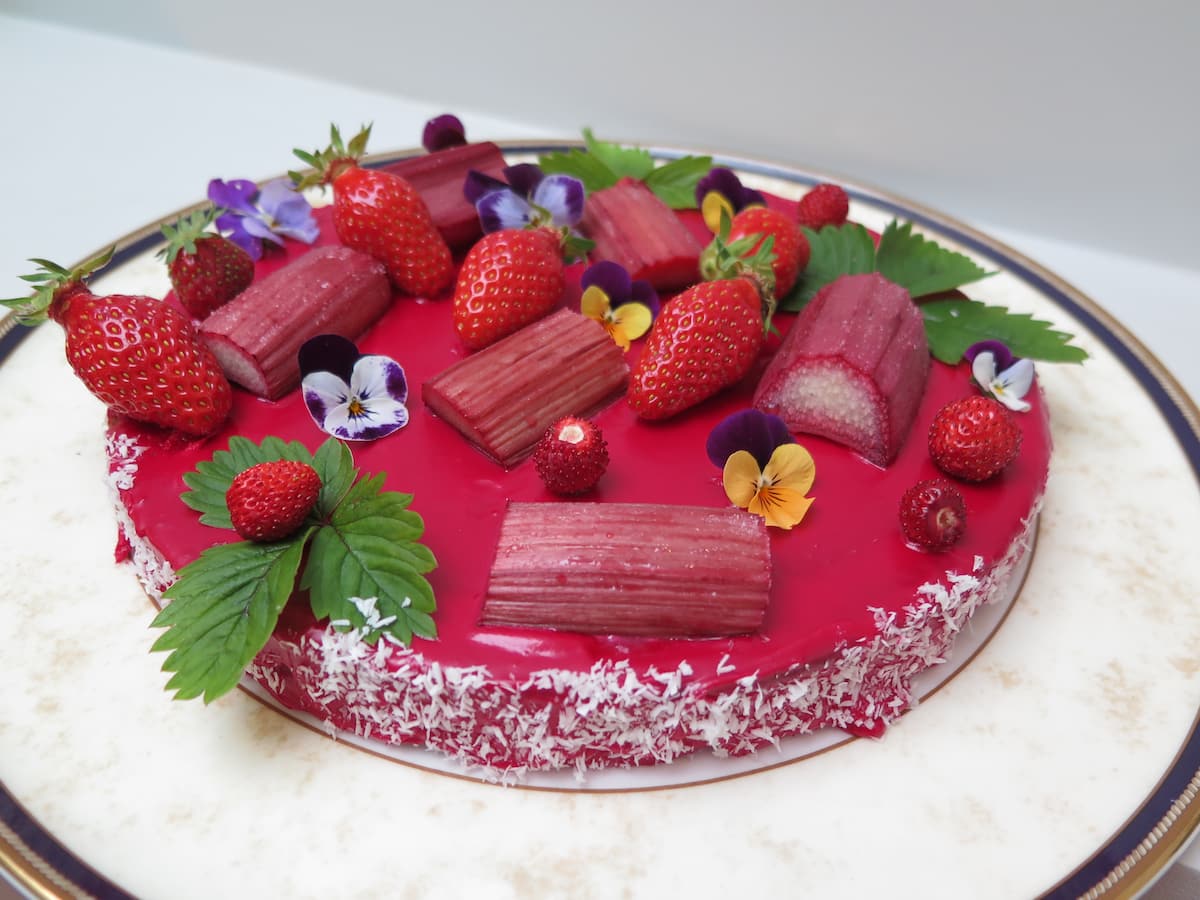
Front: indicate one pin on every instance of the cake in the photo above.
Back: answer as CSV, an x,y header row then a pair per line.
x,y
854,613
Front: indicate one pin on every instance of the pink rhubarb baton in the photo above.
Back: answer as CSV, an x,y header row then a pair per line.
x,y
630,569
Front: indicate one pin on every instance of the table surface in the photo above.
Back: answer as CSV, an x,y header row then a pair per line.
x,y
137,162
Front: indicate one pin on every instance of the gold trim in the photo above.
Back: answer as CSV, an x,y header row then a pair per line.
x,y
33,874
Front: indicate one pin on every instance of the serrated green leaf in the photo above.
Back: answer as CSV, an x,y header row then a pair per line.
x,y
223,609
594,174
624,162
844,250
920,265
210,480
674,183
954,325
335,465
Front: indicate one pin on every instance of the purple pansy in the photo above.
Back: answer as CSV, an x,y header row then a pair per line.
x,y
528,198
1000,374
250,215
443,131
752,430
626,308
721,191
349,395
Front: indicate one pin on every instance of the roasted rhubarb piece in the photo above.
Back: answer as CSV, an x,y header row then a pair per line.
x,y
632,227
852,368
630,569
438,178
256,336
504,397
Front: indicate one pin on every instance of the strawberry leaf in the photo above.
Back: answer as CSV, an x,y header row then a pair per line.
x,y
624,162
223,609
920,265
674,183
844,250
594,174
954,325
365,567
211,479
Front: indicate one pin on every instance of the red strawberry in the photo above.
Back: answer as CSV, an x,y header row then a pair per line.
x,y
790,245
826,204
509,279
571,457
140,356
382,215
269,501
933,515
974,438
206,270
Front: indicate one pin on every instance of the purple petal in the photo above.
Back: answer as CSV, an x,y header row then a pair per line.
x,y
524,178
611,278
379,376
476,184
502,209
750,429
328,353
562,197
233,226
724,182
1000,353
235,196
260,229
642,291
443,131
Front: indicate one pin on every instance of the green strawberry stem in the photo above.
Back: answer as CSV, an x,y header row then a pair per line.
x,y
54,284
183,234
724,258
331,162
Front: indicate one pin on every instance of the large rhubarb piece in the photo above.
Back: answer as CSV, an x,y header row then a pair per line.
x,y
439,177
853,367
504,397
634,228
257,335
630,569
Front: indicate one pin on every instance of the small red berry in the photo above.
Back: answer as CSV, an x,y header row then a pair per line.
x,y
974,438
269,501
571,456
933,515
826,204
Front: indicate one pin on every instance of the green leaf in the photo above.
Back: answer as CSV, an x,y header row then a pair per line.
x,y
920,265
844,250
369,551
223,609
675,182
624,162
594,174
335,465
954,325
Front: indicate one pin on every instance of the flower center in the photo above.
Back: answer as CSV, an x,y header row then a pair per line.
x,y
356,408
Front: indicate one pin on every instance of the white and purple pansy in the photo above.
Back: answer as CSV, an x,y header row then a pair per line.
x,y
443,131
528,199
1000,374
722,192
352,396
250,215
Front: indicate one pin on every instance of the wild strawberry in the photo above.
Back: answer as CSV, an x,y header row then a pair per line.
x,y
571,456
974,438
826,204
790,245
269,501
509,279
140,356
206,270
382,215
933,514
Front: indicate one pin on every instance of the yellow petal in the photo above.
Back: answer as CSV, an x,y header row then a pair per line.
x,y
634,319
792,467
740,477
617,333
594,303
713,205
781,507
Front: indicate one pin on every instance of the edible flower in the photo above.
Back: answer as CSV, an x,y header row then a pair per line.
x,y
626,308
443,131
763,470
529,199
721,192
251,215
349,395
1000,374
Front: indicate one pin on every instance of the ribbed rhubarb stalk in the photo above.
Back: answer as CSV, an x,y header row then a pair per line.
x,y
630,569
257,335
504,397
633,227
438,178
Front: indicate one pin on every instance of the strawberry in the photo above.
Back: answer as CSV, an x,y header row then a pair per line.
x,y
826,204
140,356
382,215
269,501
206,270
974,438
509,279
790,245
933,514
571,456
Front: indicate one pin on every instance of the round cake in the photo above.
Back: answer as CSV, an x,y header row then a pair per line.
x,y
855,611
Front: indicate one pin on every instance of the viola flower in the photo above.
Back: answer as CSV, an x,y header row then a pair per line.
x,y
625,308
529,199
251,215
352,396
763,470
1000,374
443,131
722,192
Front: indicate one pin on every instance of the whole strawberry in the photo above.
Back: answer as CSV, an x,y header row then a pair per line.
x,y
140,356
825,204
206,270
269,501
974,438
790,246
933,515
382,215
571,456
508,279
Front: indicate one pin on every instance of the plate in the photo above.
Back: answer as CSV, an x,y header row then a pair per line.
x,y
1062,761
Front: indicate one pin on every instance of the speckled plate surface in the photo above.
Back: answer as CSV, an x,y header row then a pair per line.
x,y
1062,760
